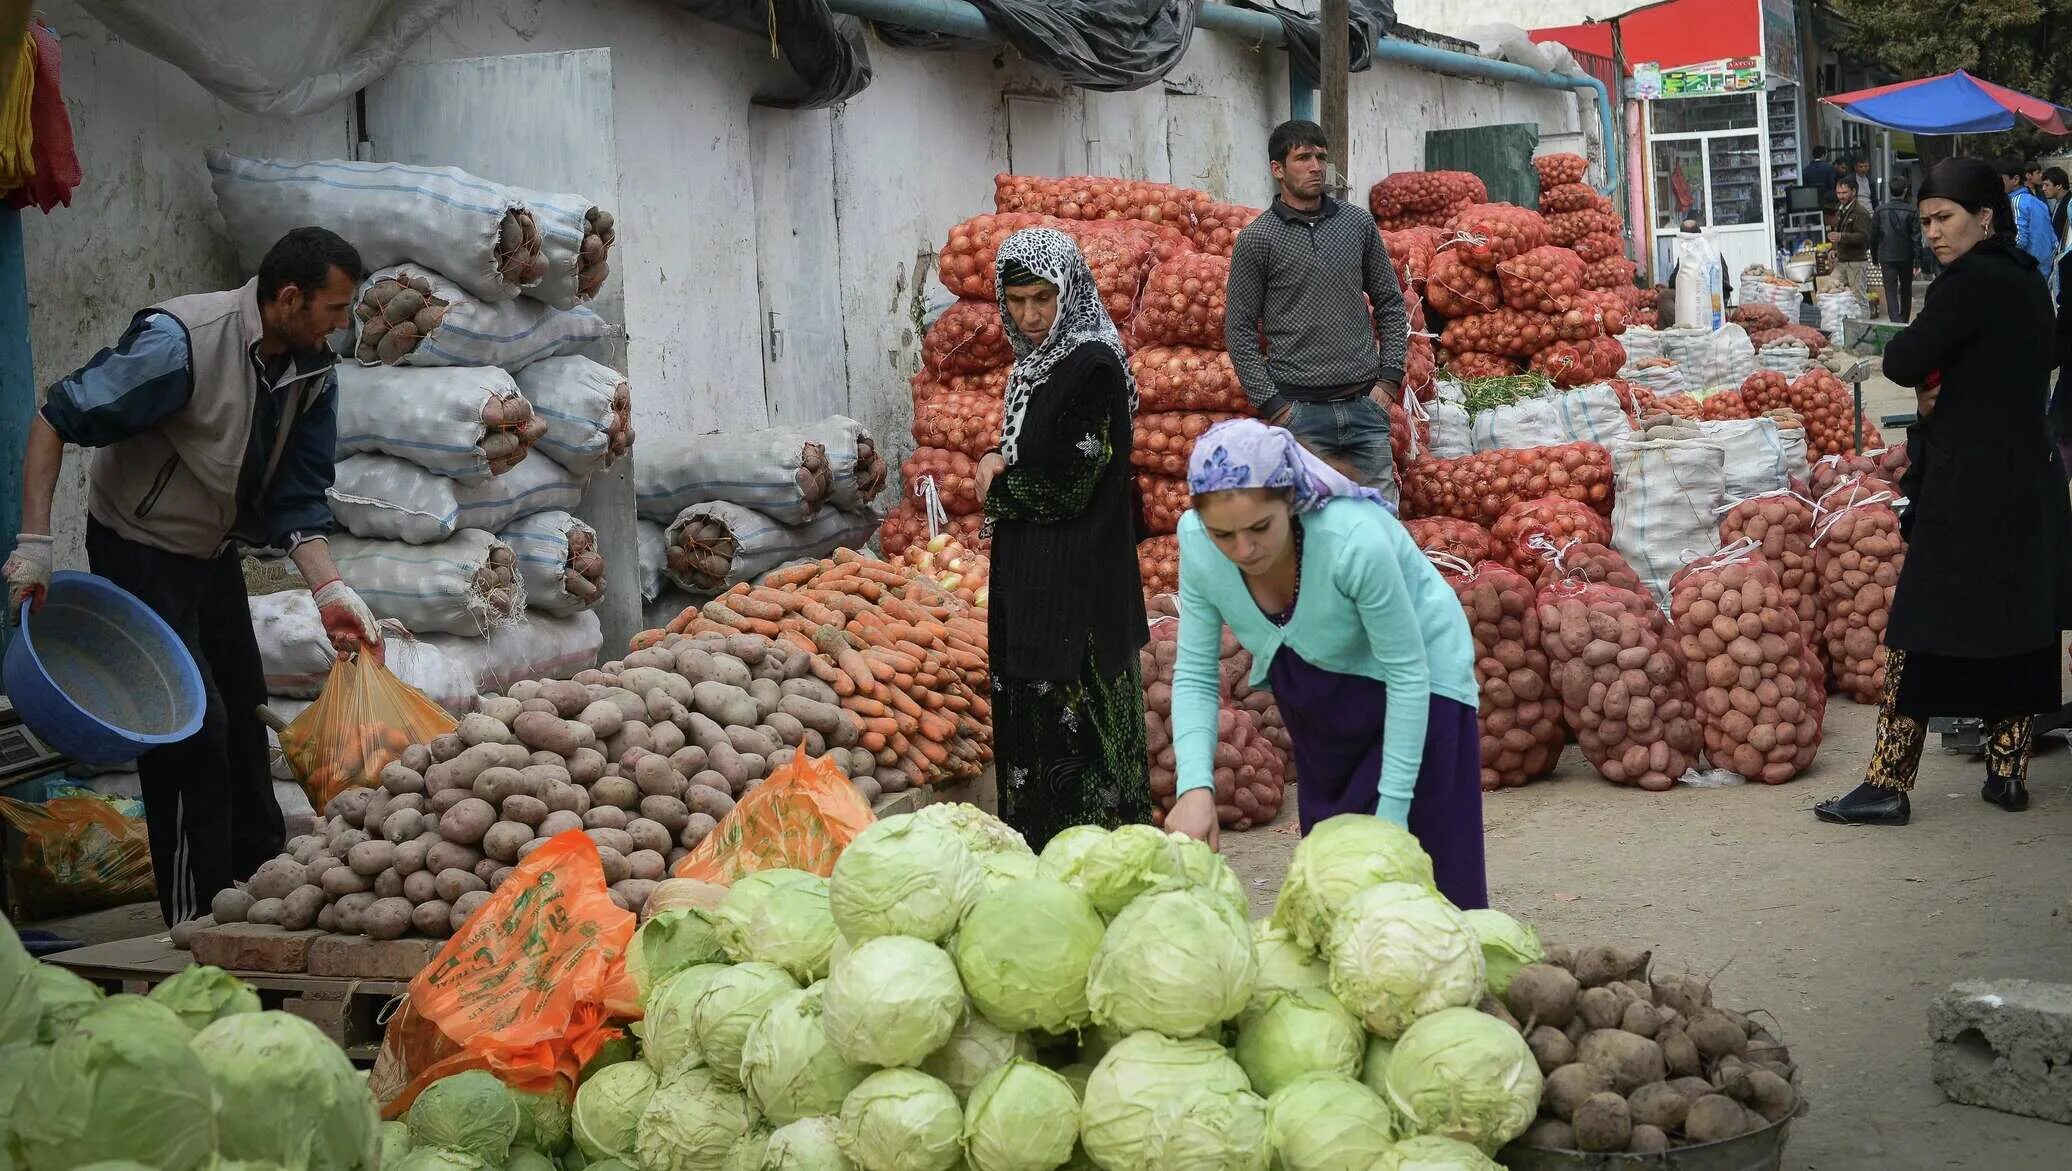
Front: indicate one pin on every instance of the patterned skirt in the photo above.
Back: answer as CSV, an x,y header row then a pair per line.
x,y
1071,753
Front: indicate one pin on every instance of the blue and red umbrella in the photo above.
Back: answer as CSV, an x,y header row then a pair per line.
x,y
1954,103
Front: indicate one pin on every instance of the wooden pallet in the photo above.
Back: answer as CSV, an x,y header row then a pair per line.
x,y
344,985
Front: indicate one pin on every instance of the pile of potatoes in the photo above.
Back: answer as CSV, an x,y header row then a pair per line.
x,y
1781,525
395,313
645,755
1858,552
1759,692
1622,687
1522,733
1642,1063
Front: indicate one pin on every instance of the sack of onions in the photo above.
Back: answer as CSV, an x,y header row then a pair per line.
x,y
1473,364
1158,562
1567,197
1461,539
1456,289
1425,192
1745,662
1216,226
966,263
1520,717
1097,197
1542,280
1166,500
1162,442
1481,486
1560,168
1724,403
1411,252
1622,688
1509,332
1780,525
1487,234
926,384
955,477
1186,378
1765,391
958,421
1520,535
1600,246
1607,309
1859,553
1183,303
1119,261
1637,400
1410,435
1613,273
1580,363
967,339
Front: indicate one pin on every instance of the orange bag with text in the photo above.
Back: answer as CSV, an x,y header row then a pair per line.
x,y
801,818
364,718
529,988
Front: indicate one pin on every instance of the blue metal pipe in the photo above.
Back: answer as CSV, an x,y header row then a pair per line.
x,y
1302,94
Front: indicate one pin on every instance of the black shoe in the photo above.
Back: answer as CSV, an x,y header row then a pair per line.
x,y
1866,805
2011,795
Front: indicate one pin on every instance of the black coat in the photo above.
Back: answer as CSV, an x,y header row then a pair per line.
x,y
1988,569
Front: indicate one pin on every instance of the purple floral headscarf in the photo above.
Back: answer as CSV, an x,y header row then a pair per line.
x,y
1246,453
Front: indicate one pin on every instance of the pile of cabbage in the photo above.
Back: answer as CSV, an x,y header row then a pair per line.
x,y
947,999
192,1076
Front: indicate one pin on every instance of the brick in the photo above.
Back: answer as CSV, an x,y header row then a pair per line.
x,y
360,958
2005,1045
253,947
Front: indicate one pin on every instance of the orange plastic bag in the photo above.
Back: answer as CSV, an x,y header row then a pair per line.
x,y
801,818
68,855
364,718
528,989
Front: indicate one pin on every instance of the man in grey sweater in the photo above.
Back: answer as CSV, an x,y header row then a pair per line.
x,y
1313,278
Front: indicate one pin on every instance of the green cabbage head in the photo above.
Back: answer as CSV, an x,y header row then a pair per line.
x,y
526,1159
1020,1117
1068,846
1327,1122
395,1142
982,832
734,998
788,925
790,1068
608,1108
121,1085
20,1003
999,869
975,1049
1464,1075
691,1122
1140,1074
1341,857
202,993
748,1150
1127,862
1207,873
1298,1033
902,1120
1374,1069
471,1112
1024,952
17,1062
1399,952
1284,965
810,1144
543,1117
667,1043
65,998
904,876
1211,1131
1171,962
746,897
317,1112
892,1001
1430,1152
666,944
1507,945
436,1159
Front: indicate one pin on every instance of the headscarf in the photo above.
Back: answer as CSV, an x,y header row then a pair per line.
x,y
1052,257
1975,186
1246,453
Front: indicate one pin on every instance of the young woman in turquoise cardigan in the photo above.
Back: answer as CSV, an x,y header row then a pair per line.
x,y
1363,644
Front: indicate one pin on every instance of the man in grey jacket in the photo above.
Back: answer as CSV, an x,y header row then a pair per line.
x,y
217,417
1313,277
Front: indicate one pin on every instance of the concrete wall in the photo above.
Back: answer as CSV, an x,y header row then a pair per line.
x,y
912,155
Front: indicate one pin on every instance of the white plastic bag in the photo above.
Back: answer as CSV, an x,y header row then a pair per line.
x,y
1718,357
467,585
474,231
296,654
537,646
1701,299
587,407
1760,456
469,331
711,547
559,560
653,558
434,417
1586,414
1666,497
385,498
782,472
1838,308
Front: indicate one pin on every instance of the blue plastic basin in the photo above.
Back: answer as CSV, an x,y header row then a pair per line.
x,y
99,676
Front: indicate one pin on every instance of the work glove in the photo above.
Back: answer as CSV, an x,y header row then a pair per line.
x,y
28,573
347,620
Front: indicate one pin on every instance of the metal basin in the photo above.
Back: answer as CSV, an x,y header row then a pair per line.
x,y
1759,1150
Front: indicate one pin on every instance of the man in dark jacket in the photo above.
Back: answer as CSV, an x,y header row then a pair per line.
x,y
1820,174
1895,243
1851,236
217,414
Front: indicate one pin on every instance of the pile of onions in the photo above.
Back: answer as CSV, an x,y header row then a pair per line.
x,y
1519,716
1216,226
1186,378
1472,365
1158,562
1457,290
1613,272
1561,168
1425,194
1724,403
1765,391
1622,687
1183,303
1520,537
958,421
1119,261
1859,552
1541,280
966,263
967,339
1760,695
1097,197
1163,441
1411,252
1830,414
1481,486
1164,240
1757,316
954,474
1165,502
1583,563
1567,197
1487,234
1462,539
1780,525
927,384
1580,363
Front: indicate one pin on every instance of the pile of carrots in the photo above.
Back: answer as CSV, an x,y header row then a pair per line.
x,y
905,653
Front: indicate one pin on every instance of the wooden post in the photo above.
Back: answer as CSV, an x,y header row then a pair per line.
x,y
1335,62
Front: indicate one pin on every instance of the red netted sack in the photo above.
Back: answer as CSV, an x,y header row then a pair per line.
x,y
1158,562
1251,762
1831,470
1829,411
1725,403
1603,309
1165,502
1456,289
1487,234
1560,168
1463,539
1745,663
1097,197
1410,436
1583,562
1600,246
1757,316
958,421
908,525
1570,228
1420,367
1183,303
1425,193
1481,486
1527,529
1621,685
1613,272
1186,378
1780,525
955,477
1163,240
1119,261
1472,365
1567,197
1162,442
1510,332
1814,341
927,384
1637,400
967,339
1859,553
1519,715
1580,363
1216,226
1765,391
966,263
1542,280
1412,251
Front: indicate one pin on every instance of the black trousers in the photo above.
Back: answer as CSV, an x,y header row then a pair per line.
x,y
208,800
1899,290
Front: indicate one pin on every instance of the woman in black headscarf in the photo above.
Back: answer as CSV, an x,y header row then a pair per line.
x,y
1987,584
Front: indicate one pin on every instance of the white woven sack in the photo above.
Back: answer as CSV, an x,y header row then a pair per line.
x,y
1788,357
433,589
761,544
1661,381
653,558
1760,456
563,219
390,212
476,332
577,398
757,470
1641,342
385,498
541,543
537,646
1666,497
296,654
431,416
1586,414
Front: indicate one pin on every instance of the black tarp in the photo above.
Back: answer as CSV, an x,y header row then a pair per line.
x,y
1369,21
1103,45
828,53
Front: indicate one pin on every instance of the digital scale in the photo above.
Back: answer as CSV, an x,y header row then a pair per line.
x,y
23,755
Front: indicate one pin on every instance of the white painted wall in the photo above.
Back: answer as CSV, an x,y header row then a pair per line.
x,y
913,154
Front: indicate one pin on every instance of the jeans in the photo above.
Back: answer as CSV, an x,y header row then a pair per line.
x,y
1351,435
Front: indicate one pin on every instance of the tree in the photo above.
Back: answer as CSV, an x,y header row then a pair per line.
x,y
2022,44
